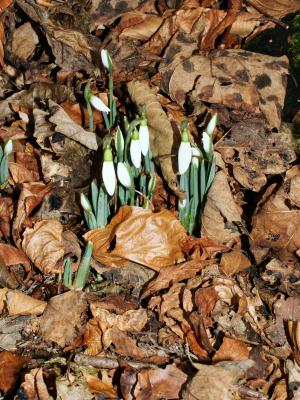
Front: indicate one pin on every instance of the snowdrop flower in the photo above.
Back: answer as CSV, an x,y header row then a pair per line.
x,y
196,154
184,153
135,149
124,174
97,103
206,141
108,171
106,59
212,124
8,148
85,204
144,136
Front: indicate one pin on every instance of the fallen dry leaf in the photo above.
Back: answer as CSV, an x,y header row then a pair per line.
x,y
34,385
61,325
221,216
10,368
233,262
44,245
147,238
19,303
232,350
159,383
24,41
97,385
213,382
277,8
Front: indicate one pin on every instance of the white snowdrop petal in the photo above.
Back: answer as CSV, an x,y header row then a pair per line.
x,y
184,157
212,124
123,175
104,58
144,139
109,177
98,104
85,203
135,153
8,148
206,139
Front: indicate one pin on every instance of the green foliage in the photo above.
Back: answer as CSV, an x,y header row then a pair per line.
x,y
83,270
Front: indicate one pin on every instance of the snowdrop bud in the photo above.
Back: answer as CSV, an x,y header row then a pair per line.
x,y
119,142
124,175
108,171
144,136
184,153
8,148
135,149
196,154
182,204
212,124
98,103
206,141
85,204
106,59
151,184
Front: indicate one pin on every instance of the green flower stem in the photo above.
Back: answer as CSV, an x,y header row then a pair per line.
x,y
68,272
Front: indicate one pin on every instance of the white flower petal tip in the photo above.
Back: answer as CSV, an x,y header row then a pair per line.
x,y
109,177
196,155
184,157
206,141
85,204
98,104
144,139
105,58
135,153
123,175
211,126
119,141
8,148
181,204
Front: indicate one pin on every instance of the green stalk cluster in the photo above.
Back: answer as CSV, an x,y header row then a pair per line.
x,y
196,179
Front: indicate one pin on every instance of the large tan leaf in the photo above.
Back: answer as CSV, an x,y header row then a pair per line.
x,y
221,215
215,381
277,8
64,318
147,238
44,245
24,41
19,303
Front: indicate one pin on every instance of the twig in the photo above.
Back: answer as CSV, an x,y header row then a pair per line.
x,y
266,14
108,363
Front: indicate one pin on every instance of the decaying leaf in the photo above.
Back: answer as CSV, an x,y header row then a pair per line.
x,y
277,8
44,245
221,217
34,385
65,125
61,325
19,303
232,350
147,238
234,262
217,381
10,368
239,80
24,41
276,224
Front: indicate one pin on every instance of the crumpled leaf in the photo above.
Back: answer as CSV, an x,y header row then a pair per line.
x,y
34,385
103,386
10,368
215,381
25,168
240,80
142,25
65,125
151,239
159,383
277,8
234,262
6,213
255,153
232,350
221,216
161,131
276,224
32,194
44,245
18,303
24,41
64,318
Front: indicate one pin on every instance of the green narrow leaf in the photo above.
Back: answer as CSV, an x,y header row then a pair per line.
x,y
84,267
4,169
101,208
106,121
202,181
95,193
68,272
211,174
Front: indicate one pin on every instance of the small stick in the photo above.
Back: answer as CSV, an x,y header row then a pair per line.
x,y
266,14
107,362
